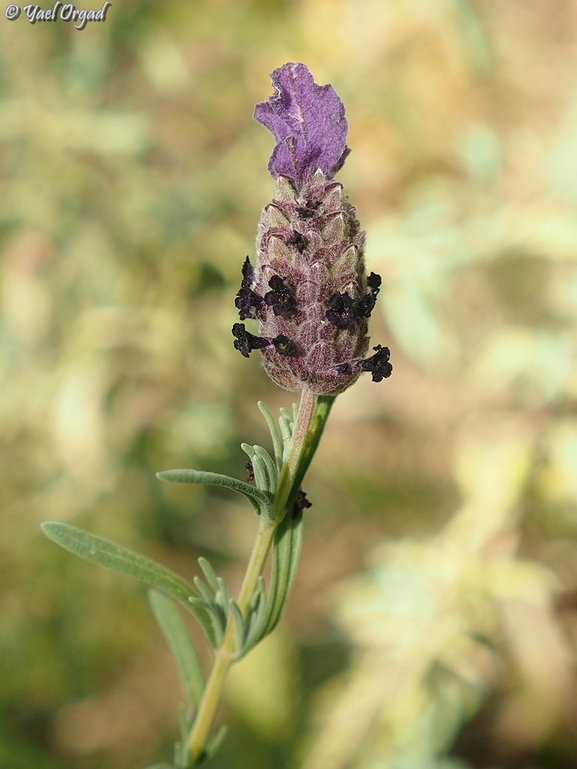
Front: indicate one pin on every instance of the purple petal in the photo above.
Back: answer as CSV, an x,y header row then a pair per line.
x,y
308,122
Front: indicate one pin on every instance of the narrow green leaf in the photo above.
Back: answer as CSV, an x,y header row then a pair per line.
x,y
204,591
285,557
119,558
180,645
285,424
258,467
181,752
285,432
217,619
214,742
221,597
203,615
258,592
256,622
209,573
265,472
270,469
218,622
267,610
274,434
185,724
260,500
240,624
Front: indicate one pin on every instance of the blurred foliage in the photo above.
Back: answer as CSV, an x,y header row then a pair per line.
x,y
434,621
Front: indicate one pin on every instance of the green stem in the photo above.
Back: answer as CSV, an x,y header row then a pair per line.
x,y
290,470
225,653
313,412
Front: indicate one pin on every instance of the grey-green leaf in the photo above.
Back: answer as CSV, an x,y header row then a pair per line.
x,y
214,620
264,469
203,590
260,500
180,645
119,558
209,573
286,424
221,597
240,624
285,557
266,611
254,626
258,467
275,437
205,615
214,742
270,468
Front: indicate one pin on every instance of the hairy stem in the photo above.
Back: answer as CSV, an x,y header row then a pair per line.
x,y
286,487
312,415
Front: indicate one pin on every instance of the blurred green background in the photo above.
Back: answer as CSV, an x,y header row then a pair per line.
x,y
434,620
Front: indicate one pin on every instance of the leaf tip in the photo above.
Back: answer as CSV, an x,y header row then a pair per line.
x,y
49,527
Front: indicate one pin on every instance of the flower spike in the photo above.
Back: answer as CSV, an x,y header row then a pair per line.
x,y
309,290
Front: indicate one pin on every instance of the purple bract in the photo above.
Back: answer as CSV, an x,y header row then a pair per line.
x,y
308,122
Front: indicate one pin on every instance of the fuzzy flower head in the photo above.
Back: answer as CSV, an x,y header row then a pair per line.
x,y
309,290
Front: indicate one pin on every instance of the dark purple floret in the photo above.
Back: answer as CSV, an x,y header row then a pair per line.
x,y
378,364
341,312
373,281
247,300
247,271
298,240
283,345
244,341
309,209
280,297
367,303
308,122
301,503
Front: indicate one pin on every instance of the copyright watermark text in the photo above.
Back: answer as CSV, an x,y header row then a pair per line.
x,y
62,11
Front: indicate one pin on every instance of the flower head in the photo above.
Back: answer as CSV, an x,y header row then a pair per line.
x,y
309,290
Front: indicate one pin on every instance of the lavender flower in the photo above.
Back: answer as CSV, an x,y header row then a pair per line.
x,y
309,291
